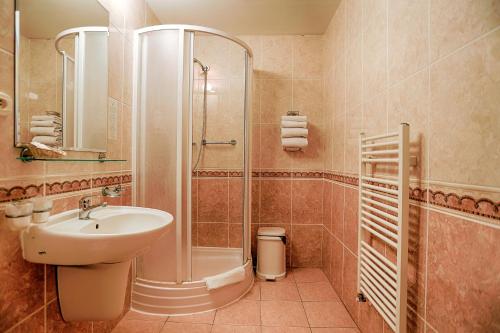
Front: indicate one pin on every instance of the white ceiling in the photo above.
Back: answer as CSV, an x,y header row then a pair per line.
x,y
47,18
249,16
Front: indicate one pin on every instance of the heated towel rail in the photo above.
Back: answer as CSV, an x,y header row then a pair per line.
x,y
383,224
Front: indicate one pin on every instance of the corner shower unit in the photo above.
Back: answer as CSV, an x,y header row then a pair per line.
x,y
190,157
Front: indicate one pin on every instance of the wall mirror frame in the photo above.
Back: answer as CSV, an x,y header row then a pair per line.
x,y
61,74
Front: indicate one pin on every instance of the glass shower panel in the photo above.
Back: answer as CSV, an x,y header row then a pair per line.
x,y
158,145
218,185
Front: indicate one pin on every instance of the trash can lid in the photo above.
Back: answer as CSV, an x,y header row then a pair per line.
x,y
271,231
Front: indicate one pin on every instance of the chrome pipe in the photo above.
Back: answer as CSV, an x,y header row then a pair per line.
x,y
203,67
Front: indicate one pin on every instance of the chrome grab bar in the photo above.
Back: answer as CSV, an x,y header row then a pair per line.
x,y
230,142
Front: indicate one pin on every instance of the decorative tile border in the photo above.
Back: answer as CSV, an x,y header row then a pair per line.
x,y
217,173
67,186
481,206
307,174
464,203
111,180
210,174
19,192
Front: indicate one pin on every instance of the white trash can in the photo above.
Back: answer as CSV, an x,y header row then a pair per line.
x,y
271,253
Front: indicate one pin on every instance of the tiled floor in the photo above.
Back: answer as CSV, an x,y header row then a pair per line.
x,y
304,302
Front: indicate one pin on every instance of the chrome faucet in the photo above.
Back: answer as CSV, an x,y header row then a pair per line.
x,y
86,207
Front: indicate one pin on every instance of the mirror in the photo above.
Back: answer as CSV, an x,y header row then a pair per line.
x,y
61,96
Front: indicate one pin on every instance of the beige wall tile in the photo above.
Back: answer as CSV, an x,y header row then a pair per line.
x,y
276,60
275,100
307,58
127,72
464,122
340,29
7,26
115,63
272,155
374,48
340,86
339,125
354,21
354,126
135,15
151,18
454,23
308,99
408,38
328,112
354,74
311,157
328,48
408,102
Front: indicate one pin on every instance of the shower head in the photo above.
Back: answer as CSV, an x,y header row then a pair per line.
x,y
203,67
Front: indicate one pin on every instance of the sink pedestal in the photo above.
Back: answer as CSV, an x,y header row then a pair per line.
x,y
92,292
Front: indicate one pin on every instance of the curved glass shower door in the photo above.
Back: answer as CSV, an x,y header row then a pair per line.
x,y
218,155
191,150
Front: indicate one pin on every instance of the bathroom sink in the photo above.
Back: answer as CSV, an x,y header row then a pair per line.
x,y
112,234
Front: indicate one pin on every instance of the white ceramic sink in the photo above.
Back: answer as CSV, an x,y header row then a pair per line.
x,y
112,234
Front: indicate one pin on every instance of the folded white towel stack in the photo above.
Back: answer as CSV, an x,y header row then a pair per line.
x,y
47,129
294,132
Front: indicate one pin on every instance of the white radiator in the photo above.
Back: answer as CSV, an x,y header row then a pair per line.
x,y
383,215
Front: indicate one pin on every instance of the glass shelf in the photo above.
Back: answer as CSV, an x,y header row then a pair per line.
x,y
47,159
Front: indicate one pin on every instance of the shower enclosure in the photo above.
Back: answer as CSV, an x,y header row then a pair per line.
x,y
191,102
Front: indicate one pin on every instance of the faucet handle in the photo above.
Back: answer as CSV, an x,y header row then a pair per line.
x,y
108,192
86,201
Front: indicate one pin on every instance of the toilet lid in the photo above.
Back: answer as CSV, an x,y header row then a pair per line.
x,y
271,231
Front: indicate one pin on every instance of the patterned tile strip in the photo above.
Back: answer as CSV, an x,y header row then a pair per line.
x,y
57,187
484,207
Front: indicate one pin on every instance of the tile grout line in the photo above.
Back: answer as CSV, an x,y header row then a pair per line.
x,y
427,167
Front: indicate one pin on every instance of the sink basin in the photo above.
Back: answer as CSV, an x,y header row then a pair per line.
x,y
112,234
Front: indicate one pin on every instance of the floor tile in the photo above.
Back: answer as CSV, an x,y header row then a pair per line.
x,y
309,305
334,330
287,279
254,293
138,326
328,314
283,313
309,275
131,315
317,291
240,313
171,327
272,291
200,318
235,329
277,329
